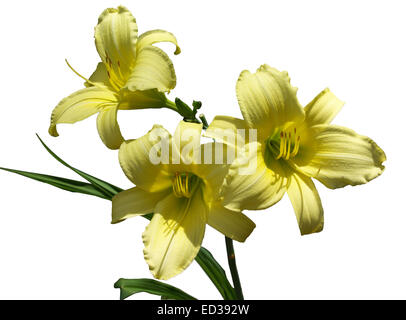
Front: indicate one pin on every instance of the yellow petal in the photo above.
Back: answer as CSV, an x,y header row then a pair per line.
x,y
154,36
186,142
134,202
153,70
81,105
250,184
323,108
108,127
116,38
340,157
100,76
228,130
232,224
267,100
174,235
306,203
216,159
135,159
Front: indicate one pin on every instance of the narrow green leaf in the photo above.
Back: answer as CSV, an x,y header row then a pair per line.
x,y
106,188
62,183
216,274
129,287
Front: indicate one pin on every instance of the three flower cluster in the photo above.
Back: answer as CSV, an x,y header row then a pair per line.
x,y
187,184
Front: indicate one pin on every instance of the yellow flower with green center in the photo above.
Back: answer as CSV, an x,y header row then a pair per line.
x,y
294,144
133,74
182,192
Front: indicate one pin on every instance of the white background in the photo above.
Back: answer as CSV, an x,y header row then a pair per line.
x,y
59,245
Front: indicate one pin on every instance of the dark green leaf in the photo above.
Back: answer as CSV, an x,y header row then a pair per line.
x,y
62,183
129,287
106,188
216,274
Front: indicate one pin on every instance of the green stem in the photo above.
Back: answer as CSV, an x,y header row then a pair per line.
x,y
233,268
171,105
204,121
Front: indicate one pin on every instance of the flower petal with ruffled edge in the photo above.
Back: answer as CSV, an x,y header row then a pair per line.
x,y
250,184
339,157
267,100
81,105
154,36
153,70
173,237
116,38
140,161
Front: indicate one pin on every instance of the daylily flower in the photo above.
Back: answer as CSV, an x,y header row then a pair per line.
x,y
133,74
294,144
181,191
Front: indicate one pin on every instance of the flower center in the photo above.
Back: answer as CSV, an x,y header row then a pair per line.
x,y
284,144
184,184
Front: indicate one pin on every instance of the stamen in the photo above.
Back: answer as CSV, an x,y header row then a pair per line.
x,y
296,148
114,73
281,146
184,185
187,193
288,150
288,144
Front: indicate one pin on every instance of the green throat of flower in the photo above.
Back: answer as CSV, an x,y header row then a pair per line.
x,y
185,184
283,144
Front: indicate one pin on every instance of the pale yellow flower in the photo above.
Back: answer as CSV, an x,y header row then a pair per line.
x,y
133,74
182,193
294,144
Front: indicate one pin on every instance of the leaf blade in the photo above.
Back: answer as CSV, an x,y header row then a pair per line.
x,y
128,287
107,188
61,183
216,274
